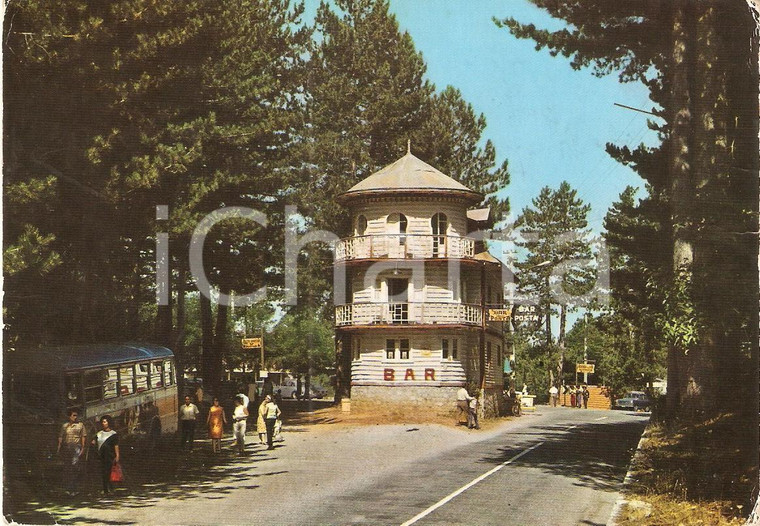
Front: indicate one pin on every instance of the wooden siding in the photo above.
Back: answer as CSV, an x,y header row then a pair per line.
x,y
425,353
418,215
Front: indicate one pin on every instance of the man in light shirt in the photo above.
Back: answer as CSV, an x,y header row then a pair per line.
x,y
463,403
553,395
187,415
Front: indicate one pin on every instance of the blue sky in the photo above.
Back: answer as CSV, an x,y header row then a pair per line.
x,y
550,121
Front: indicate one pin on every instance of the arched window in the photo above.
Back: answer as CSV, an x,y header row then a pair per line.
x,y
440,225
361,225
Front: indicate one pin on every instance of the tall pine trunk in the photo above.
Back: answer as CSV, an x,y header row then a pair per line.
x,y
220,343
207,339
681,193
561,343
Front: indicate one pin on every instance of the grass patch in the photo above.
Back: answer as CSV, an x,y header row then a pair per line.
x,y
692,474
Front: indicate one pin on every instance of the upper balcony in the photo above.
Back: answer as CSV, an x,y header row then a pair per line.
x,y
419,313
402,246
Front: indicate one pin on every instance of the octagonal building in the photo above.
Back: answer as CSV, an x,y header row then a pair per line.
x,y
418,286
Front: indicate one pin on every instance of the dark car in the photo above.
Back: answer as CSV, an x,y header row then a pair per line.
x,y
634,401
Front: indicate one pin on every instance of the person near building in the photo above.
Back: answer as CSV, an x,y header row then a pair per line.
x,y
108,450
71,443
239,416
572,396
216,421
472,415
463,403
187,416
261,426
553,395
586,396
272,414
579,397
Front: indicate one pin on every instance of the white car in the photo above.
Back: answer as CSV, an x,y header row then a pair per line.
x,y
289,389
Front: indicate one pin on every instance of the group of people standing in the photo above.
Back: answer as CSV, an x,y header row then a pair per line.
x,y
71,444
72,437
268,416
579,396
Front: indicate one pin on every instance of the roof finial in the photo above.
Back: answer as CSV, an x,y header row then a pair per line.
x,y
408,146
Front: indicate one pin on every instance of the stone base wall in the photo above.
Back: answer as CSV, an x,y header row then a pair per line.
x,y
440,399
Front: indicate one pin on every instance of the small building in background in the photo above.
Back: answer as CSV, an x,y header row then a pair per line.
x,y
417,287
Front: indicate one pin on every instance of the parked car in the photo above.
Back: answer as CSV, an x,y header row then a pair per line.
x,y
289,389
634,401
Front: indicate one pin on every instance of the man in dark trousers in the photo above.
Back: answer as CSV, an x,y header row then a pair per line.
x,y
187,415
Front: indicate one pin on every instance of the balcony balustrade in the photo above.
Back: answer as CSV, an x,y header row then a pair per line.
x,y
402,246
407,314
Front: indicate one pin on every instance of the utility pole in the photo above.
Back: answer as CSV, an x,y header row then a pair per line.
x,y
585,346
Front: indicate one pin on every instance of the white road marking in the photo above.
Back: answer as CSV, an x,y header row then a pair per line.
x,y
464,488
600,418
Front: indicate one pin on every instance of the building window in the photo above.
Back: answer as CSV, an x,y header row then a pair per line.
x,y
488,352
390,349
498,354
361,225
404,349
439,224
454,348
397,224
445,348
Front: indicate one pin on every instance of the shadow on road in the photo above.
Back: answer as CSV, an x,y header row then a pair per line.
x,y
164,473
594,455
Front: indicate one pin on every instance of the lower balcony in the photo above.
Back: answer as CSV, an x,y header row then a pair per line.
x,y
424,313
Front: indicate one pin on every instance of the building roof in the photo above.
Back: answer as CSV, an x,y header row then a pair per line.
x,y
71,357
486,256
410,175
479,215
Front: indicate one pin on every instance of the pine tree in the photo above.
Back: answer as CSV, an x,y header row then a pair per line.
x,y
554,232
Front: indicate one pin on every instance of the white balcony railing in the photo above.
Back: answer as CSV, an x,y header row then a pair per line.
x,y
395,246
407,313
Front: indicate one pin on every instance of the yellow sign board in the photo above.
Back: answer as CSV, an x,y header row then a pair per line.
x,y
584,367
251,343
499,314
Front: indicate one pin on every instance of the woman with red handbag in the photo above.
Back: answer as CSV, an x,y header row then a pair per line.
x,y
108,450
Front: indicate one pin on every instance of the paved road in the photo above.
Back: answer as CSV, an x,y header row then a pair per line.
x,y
557,466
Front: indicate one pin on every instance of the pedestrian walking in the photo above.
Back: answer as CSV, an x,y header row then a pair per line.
x,y
272,414
216,420
586,396
187,416
239,416
553,395
71,443
579,397
108,450
261,426
572,396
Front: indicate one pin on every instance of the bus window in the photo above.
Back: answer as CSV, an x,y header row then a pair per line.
x,y
110,379
73,387
93,386
141,379
168,373
155,375
126,380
